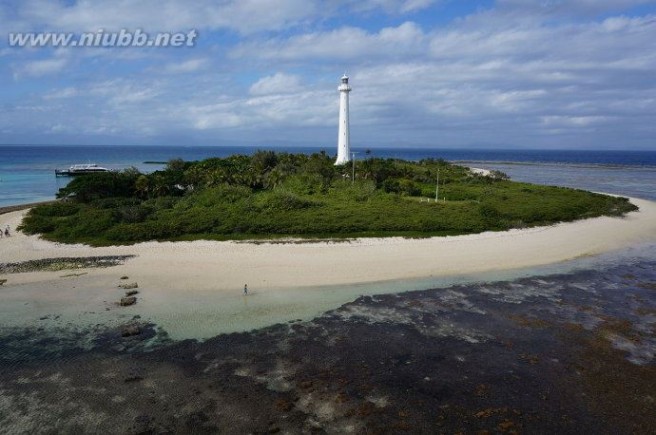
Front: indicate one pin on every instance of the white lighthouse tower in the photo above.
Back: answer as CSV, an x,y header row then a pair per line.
x,y
343,140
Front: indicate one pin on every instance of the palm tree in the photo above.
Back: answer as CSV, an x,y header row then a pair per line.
x,y
275,177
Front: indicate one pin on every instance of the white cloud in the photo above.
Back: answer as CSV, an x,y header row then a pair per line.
x,y
215,116
166,15
415,5
120,92
58,128
276,84
38,68
390,6
244,16
188,66
574,121
342,43
292,109
67,92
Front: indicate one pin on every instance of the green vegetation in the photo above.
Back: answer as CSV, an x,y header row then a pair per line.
x,y
270,195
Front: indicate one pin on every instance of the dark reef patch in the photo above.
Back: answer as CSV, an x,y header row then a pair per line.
x,y
63,263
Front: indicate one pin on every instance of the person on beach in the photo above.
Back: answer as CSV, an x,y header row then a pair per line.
x,y
7,231
245,289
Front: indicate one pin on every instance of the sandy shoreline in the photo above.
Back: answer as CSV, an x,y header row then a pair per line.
x,y
175,275
226,265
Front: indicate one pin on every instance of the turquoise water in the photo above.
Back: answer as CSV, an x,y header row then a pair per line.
x,y
27,172
629,180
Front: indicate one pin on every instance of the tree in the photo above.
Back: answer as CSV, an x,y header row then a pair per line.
x,y
86,188
377,169
321,166
278,175
142,186
176,165
498,175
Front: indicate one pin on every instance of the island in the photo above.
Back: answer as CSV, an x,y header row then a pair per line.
x,y
271,195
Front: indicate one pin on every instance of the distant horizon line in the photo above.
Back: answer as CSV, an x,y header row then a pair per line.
x,y
321,147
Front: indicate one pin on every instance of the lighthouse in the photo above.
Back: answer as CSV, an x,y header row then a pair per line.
x,y
343,141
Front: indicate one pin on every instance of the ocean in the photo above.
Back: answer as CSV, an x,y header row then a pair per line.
x,y
27,172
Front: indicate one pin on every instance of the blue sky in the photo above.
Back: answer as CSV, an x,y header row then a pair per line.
x,y
555,74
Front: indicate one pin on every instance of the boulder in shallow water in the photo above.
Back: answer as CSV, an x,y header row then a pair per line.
x,y
129,286
130,330
131,292
128,300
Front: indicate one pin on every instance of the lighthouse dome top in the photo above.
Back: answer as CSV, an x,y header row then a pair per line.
x,y
345,79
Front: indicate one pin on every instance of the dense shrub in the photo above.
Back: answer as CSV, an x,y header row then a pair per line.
x,y
287,200
55,209
132,213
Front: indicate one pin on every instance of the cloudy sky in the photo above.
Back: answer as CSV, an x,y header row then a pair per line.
x,y
574,74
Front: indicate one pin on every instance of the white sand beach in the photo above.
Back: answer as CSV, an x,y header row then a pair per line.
x,y
194,289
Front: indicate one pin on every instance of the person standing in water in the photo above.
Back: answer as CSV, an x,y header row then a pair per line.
x,y
245,289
